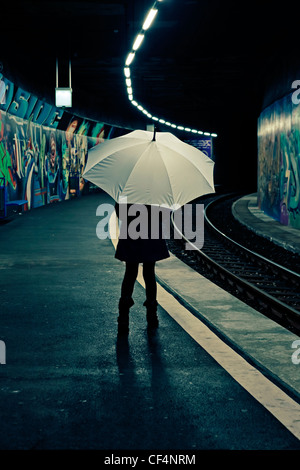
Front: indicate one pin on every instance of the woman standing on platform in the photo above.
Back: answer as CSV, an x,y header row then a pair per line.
x,y
146,246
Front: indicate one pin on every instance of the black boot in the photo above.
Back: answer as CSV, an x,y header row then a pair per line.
x,y
123,319
151,315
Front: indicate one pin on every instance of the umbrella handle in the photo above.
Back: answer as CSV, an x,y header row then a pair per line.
x,y
154,135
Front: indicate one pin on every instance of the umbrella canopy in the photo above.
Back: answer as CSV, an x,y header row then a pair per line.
x,y
149,168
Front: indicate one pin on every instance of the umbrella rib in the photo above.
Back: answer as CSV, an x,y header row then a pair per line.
x,y
102,148
162,159
135,165
140,163
190,162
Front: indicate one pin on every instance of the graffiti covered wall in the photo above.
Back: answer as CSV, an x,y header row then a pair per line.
x,y
279,161
43,149
40,164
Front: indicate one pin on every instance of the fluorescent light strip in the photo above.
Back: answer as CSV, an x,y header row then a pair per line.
x,y
130,58
137,42
150,17
127,72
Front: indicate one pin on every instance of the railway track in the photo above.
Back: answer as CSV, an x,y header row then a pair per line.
x,y
267,286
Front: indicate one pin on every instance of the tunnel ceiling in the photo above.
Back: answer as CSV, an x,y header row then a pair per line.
x,y
202,63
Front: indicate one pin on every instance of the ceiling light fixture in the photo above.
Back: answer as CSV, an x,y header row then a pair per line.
x,y
130,58
63,96
150,17
127,72
137,42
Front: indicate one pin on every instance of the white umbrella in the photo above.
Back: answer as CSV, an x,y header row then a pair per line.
x,y
149,168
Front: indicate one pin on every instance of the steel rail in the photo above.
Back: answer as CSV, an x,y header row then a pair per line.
x,y
283,312
257,256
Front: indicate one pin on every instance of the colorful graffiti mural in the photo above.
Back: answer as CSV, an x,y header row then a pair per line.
x,y
39,163
43,149
279,161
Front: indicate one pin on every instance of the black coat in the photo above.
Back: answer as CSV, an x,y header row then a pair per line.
x,y
150,246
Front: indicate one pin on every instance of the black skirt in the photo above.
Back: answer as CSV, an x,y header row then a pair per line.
x,y
141,250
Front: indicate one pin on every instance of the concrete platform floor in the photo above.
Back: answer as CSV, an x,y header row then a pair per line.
x,y
246,211
70,382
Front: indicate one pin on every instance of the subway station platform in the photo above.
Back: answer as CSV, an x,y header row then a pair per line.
x,y
215,375
247,212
